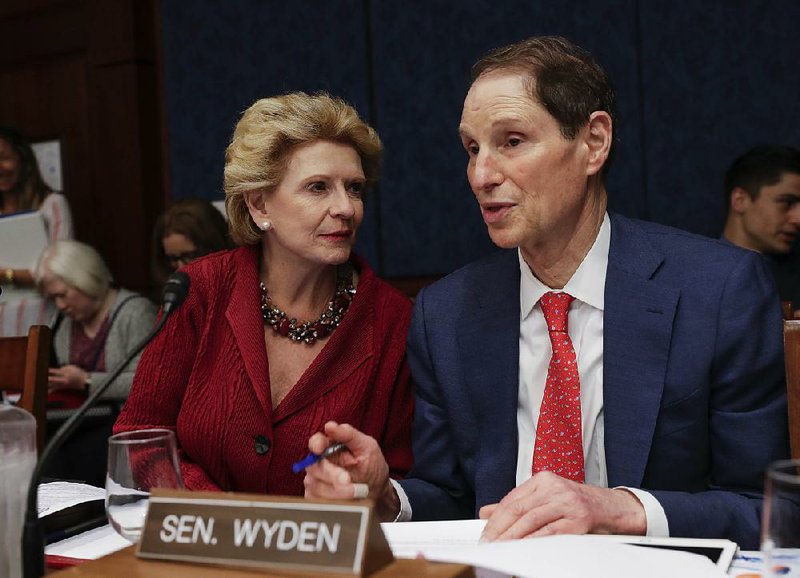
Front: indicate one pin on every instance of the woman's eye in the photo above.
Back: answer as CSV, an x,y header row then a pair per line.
x,y
356,189
317,187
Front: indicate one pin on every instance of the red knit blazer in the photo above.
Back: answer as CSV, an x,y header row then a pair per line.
x,y
206,377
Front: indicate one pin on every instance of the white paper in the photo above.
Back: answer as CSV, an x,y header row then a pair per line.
x,y
23,237
551,557
90,545
220,206
48,156
57,496
408,539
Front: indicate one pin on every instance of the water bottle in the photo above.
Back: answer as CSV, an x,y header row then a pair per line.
x,y
17,460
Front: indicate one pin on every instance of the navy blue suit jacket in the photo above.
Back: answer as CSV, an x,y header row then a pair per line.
x,y
693,381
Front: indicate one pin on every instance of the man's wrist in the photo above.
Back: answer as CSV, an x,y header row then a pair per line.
x,y
388,506
631,519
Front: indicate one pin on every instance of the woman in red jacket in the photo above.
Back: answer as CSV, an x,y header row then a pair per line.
x,y
289,330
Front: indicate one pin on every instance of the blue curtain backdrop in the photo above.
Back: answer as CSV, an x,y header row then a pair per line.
x,y
697,83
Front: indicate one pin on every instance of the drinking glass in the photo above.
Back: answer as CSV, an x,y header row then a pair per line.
x,y
780,526
138,461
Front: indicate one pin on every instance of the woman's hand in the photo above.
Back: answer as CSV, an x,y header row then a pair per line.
x,y
344,474
67,377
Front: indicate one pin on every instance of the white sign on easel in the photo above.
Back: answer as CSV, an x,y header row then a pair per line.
x,y
48,155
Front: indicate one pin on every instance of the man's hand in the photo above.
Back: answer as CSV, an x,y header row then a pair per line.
x,y
548,504
67,377
362,463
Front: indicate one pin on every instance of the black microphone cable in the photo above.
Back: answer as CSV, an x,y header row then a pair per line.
x,y
175,290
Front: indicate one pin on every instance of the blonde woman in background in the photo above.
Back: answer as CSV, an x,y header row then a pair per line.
x,y
97,326
98,323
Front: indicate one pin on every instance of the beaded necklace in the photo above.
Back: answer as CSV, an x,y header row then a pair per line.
x,y
309,331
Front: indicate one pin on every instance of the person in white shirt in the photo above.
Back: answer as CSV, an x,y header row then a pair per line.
x,y
22,189
597,375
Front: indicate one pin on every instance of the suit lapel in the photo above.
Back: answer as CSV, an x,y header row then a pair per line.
x,y
346,349
489,338
637,323
244,316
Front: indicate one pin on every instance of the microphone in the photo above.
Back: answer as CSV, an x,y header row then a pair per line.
x,y
175,291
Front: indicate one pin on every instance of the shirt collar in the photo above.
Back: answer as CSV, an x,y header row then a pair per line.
x,y
587,284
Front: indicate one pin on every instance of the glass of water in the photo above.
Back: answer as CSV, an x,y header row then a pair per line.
x,y
138,461
780,527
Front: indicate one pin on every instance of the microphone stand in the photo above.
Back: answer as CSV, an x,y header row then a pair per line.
x,y
32,534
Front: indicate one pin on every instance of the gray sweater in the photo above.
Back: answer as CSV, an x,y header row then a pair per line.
x,y
135,318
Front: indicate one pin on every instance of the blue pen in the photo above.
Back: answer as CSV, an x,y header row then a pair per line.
x,y
312,459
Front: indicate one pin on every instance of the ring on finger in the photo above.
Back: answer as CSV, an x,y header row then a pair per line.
x,y
360,491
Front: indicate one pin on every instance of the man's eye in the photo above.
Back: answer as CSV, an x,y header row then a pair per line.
x,y
472,149
512,142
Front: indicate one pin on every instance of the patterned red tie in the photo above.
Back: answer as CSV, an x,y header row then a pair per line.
x,y
559,446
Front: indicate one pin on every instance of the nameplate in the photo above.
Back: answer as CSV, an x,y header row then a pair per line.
x,y
275,532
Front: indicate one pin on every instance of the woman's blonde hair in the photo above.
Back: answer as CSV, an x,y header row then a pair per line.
x,y
266,135
77,265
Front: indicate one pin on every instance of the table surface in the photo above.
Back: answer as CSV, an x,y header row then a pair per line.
x,y
125,564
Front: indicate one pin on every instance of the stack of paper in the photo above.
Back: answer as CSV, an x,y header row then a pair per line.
x,y
550,557
23,237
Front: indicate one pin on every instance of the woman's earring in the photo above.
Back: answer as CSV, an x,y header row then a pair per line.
x,y
266,225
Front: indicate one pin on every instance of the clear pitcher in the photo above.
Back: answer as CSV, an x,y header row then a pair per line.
x,y
17,460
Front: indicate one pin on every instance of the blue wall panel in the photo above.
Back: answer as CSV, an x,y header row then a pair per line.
x,y
423,52
222,56
718,78
697,83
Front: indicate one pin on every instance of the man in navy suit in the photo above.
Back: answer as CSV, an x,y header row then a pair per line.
x,y
675,340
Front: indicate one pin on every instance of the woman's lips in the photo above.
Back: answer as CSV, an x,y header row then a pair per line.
x,y
338,235
495,212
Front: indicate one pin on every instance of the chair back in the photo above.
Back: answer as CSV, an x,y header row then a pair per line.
x,y
791,344
787,309
24,363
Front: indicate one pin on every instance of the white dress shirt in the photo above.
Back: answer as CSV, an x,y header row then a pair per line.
x,y
585,327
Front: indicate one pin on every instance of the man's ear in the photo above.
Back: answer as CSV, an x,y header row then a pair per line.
x,y
599,135
740,200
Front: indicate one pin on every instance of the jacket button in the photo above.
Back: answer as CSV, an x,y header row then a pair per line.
x,y
262,445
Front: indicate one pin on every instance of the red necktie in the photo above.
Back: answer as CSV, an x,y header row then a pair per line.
x,y
559,446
